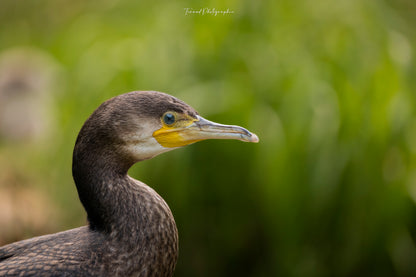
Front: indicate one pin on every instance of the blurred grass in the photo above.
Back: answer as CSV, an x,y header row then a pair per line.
x,y
328,86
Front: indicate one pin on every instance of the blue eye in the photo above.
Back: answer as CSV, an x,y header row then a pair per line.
x,y
169,118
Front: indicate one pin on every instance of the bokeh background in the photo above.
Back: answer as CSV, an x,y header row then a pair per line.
x,y
328,86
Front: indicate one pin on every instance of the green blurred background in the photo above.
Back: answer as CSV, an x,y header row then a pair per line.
x,y
328,86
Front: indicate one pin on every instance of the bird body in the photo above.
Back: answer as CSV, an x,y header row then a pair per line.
x,y
120,252
131,229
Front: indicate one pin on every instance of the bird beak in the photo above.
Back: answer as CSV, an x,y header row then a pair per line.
x,y
201,129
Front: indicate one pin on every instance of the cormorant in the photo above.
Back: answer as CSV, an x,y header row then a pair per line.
x,y
131,230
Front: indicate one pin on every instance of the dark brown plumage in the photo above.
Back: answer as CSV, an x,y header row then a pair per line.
x,y
131,229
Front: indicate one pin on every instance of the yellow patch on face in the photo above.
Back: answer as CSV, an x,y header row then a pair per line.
x,y
172,135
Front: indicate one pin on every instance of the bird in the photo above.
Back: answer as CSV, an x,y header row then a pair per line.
x,y
131,230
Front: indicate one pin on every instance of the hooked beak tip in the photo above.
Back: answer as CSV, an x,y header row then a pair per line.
x,y
254,138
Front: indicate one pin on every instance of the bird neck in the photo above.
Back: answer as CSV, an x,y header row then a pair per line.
x,y
129,214
96,175
111,198
126,211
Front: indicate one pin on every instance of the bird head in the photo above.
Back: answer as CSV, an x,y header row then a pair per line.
x,y
147,123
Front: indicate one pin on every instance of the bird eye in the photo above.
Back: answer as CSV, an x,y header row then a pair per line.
x,y
169,118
